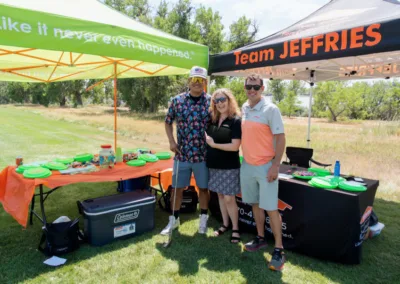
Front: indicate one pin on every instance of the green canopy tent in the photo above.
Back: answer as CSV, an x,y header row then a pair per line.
x,y
57,40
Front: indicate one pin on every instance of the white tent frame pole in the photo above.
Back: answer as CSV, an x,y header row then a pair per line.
x,y
312,79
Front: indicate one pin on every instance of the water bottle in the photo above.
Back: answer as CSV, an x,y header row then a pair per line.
x,y
336,172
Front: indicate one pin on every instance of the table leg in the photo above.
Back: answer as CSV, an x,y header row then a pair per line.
x,y
42,205
32,208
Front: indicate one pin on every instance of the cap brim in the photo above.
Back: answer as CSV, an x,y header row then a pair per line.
x,y
201,76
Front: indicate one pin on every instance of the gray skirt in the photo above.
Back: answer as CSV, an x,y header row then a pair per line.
x,y
225,182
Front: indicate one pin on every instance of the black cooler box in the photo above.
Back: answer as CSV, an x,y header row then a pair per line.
x,y
117,216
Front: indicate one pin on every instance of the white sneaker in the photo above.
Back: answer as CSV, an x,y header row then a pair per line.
x,y
203,224
172,225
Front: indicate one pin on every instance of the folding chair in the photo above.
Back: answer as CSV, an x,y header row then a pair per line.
x,y
302,157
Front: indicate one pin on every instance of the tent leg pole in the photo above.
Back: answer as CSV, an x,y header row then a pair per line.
x,y
309,107
115,106
309,118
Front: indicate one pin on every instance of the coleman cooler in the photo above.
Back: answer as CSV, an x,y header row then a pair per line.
x,y
117,216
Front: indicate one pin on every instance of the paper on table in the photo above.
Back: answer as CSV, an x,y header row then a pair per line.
x,y
55,261
285,176
72,171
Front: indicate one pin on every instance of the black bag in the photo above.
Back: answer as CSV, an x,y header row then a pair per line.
x,y
373,219
60,238
189,200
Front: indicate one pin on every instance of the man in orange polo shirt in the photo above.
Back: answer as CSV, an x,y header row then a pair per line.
x,y
263,144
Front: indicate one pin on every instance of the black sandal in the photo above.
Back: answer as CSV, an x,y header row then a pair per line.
x,y
235,240
220,232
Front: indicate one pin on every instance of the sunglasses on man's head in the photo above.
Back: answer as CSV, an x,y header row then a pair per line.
x,y
197,79
221,99
255,87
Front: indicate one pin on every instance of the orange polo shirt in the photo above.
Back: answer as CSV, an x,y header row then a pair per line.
x,y
259,125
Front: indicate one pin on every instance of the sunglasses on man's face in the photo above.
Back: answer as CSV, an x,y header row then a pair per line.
x,y
255,87
197,79
222,100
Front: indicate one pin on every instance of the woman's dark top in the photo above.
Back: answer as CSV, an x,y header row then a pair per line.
x,y
219,159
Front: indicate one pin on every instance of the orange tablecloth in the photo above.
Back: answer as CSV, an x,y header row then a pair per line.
x,y
16,192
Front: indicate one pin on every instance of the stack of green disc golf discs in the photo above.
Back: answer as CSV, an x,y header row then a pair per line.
x,y
322,182
83,158
55,166
148,158
22,168
65,161
319,171
352,186
38,172
163,155
136,163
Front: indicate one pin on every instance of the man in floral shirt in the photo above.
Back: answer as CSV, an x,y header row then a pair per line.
x,y
191,112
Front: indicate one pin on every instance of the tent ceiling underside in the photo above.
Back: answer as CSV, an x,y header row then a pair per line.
x,y
381,65
34,65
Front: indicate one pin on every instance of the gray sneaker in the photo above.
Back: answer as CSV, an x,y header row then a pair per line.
x,y
203,224
172,225
256,244
278,260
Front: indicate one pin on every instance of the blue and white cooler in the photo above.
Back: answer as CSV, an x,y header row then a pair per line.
x,y
117,216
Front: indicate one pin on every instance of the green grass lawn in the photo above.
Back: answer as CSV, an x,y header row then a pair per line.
x,y
192,258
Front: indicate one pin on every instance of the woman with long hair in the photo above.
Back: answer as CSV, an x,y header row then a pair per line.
x,y
223,137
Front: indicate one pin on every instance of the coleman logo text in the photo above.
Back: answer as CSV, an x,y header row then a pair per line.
x,y
130,215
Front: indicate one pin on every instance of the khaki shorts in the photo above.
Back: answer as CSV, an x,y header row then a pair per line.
x,y
255,186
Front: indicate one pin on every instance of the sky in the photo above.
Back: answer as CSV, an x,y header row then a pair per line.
x,y
270,15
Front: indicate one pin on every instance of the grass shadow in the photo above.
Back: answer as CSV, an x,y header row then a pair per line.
x,y
195,252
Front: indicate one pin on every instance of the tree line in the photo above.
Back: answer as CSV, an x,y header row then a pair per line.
x,y
360,100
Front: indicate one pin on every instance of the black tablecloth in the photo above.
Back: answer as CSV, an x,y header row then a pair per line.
x,y
327,224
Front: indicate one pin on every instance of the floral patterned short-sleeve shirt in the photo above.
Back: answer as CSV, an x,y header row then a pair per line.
x,y
192,119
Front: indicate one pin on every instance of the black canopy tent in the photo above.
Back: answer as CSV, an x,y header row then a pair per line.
x,y
343,40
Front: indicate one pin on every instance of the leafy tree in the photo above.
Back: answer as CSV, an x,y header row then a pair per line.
x,y
355,100
242,32
330,99
18,92
277,89
179,19
390,109
161,21
4,97
290,104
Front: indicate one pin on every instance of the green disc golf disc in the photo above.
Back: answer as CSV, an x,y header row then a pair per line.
x,y
136,163
83,157
37,173
309,175
65,161
320,172
352,186
55,166
333,178
241,159
323,183
22,168
163,155
148,158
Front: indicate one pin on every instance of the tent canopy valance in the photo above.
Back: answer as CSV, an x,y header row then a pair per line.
x,y
343,40
56,40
